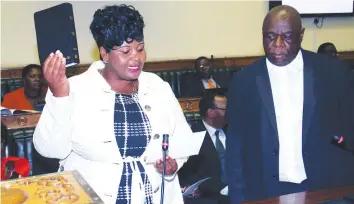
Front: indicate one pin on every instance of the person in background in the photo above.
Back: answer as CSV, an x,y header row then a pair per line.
x,y
108,122
194,84
210,162
328,49
283,111
31,94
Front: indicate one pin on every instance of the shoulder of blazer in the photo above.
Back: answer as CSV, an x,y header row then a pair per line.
x,y
253,68
312,57
206,145
323,63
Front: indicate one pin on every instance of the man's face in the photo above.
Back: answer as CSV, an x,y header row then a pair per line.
x,y
219,108
126,61
203,68
281,40
34,79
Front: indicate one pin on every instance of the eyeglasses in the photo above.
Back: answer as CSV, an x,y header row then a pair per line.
x,y
219,108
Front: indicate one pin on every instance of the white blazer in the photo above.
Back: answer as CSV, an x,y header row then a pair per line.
x,y
79,130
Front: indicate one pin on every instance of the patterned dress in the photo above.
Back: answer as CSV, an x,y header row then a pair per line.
x,y
133,132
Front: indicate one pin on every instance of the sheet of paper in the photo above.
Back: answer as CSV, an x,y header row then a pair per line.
x,y
189,191
225,191
188,147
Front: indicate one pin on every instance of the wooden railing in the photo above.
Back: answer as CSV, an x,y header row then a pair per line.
x,y
30,120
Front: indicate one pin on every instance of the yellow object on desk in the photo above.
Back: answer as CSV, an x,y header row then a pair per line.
x,y
60,188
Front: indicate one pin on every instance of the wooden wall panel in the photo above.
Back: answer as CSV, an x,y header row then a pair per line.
x,y
170,65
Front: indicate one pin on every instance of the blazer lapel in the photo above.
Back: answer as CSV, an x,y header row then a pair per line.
x,y
309,98
265,91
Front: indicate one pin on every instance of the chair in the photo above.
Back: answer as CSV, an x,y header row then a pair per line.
x,y
19,144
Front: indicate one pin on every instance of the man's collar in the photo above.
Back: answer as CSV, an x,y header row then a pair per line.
x,y
211,130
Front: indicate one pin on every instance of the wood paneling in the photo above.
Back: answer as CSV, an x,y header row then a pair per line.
x,y
170,65
189,104
21,121
30,120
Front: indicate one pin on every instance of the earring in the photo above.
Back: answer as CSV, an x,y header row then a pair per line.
x,y
105,62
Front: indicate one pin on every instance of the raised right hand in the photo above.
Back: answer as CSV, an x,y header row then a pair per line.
x,y
54,73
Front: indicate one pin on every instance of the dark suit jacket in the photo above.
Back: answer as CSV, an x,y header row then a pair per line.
x,y
205,164
192,86
252,137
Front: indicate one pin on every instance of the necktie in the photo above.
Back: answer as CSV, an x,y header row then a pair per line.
x,y
221,151
211,85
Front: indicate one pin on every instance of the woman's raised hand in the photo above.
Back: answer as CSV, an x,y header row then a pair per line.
x,y
54,73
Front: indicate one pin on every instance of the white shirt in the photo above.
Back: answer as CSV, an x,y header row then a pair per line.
x,y
222,137
206,85
212,130
78,129
287,84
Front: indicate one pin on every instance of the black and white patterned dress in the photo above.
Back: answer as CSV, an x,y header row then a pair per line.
x,y
133,132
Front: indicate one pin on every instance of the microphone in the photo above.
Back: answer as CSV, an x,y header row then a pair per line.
x,y
164,151
165,142
339,141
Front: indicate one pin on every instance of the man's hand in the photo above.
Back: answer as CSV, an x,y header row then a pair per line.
x,y
171,166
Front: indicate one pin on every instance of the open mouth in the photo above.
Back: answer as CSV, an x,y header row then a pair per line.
x,y
134,69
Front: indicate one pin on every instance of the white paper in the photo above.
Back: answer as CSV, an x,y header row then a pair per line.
x,y
188,147
225,191
189,191
12,110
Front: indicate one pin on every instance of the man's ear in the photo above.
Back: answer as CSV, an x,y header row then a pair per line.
x,y
302,34
104,54
211,113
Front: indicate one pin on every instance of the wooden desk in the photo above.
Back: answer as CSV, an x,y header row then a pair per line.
x,y
30,120
21,121
309,197
189,104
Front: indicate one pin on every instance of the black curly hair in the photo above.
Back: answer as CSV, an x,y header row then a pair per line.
x,y
115,24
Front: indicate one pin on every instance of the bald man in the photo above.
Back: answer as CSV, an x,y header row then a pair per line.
x,y
283,111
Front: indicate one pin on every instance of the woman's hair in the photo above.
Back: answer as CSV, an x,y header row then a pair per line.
x,y
113,25
28,68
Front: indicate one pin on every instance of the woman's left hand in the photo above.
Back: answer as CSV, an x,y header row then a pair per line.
x,y
171,166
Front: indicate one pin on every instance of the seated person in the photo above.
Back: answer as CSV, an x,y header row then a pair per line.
x,y
328,49
194,84
210,160
33,92
331,50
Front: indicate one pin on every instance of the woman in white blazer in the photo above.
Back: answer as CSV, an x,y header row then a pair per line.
x,y
108,122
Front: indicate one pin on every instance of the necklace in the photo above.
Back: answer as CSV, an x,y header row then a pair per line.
x,y
135,83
